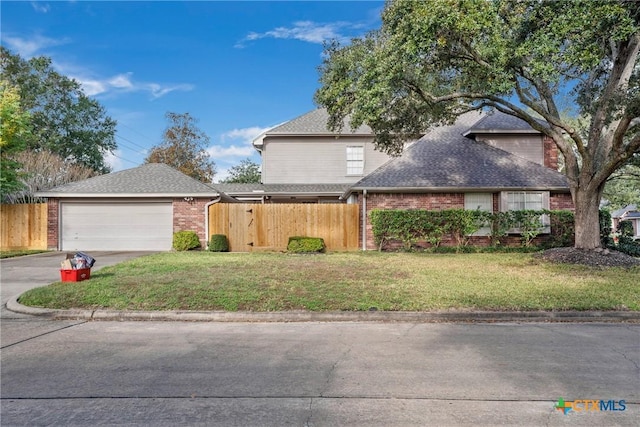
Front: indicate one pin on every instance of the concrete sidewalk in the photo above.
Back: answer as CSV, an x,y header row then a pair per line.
x,y
345,316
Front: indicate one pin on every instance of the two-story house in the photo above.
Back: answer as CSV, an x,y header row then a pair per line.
x,y
304,162
490,161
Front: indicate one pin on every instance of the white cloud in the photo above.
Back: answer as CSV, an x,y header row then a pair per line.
x,y
27,48
91,83
114,161
221,152
124,82
228,151
246,134
40,7
307,31
158,90
221,174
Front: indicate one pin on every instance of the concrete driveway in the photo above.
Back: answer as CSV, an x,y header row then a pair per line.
x,y
18,275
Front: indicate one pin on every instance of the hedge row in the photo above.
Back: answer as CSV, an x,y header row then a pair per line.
x,y
620,239
415,225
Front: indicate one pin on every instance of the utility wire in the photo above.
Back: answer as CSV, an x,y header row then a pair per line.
x,y
132,129
130,141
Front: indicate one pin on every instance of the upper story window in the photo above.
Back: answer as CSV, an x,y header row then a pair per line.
x,y
355,160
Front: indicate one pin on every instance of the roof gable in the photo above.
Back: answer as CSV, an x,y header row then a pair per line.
x,y
498,122
445,159
623,211
151,179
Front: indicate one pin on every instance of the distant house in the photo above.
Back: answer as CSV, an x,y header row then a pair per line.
x,y
629,213
487,161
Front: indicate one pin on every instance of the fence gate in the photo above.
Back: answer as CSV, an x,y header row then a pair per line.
x,y
267,227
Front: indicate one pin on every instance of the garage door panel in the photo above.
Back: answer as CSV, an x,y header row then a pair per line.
x,y
117,226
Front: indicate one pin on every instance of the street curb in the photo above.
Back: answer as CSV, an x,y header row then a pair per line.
x,y
342,316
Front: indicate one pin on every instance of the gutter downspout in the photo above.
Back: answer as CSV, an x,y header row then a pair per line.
x,y
206,218
364,219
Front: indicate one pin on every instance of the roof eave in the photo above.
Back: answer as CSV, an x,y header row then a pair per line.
x,y
501,131
283,193
450,189
48,194
334,134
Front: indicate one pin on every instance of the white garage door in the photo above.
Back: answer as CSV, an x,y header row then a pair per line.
x,y
116,226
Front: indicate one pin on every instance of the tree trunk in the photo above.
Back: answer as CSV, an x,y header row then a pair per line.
x,y
587,218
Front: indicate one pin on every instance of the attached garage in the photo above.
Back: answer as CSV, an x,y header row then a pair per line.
x,y
116,226
136,209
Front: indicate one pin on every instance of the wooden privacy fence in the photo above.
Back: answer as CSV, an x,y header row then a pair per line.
x,y
267,227
24,226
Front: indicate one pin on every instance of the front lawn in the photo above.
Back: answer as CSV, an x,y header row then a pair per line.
x,y
345,281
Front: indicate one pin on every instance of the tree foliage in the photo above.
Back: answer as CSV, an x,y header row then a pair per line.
x,y
15,130
433,60
247,172
42,170
184,148
623,188
64,120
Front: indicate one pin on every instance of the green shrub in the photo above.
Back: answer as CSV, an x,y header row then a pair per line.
x,y
626,244
301,244
419,225
562,229
185,240
219,243
529,224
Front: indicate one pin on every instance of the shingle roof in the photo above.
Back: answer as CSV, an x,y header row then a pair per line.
x,y
152,179
315,123
496,121
620,212
444,159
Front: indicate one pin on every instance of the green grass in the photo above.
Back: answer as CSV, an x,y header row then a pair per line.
x,y
22,252
344,281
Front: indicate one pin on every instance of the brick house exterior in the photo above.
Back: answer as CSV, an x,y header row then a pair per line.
x,y
438,171
136,209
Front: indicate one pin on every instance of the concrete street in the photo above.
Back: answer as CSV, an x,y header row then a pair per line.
x,y
77,373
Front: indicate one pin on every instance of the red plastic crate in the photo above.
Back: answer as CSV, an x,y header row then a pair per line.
x,y
75,275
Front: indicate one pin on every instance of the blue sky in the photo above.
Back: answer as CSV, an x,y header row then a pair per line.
x,y
239,67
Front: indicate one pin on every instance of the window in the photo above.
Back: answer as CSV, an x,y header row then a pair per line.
x,y
527,200
520,201
355,160
479,202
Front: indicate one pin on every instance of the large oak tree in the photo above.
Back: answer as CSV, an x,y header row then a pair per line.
x,y
64,120
433,60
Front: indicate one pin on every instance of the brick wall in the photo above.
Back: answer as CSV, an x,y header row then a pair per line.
x,y
53,212
440,201
429,201
550,153
561,201
188,215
